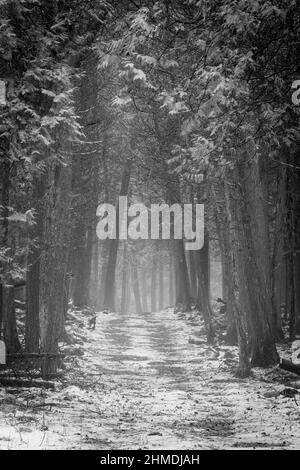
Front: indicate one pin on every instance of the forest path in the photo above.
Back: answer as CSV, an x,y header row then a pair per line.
x,y
143,384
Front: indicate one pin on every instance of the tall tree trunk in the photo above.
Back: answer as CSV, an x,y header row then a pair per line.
x,y
144,285
255,295
55,263
80,294
193,275
231,333
104,262
109,294
153,283
234,262
136,287
183,288
5,181
204,288
125,282
32,321
228,286
171,277
161,285
277,252
7,315
9,320
293,246
85,185
261,317
94,270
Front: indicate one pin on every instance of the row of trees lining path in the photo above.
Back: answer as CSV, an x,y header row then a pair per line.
x,y
162,101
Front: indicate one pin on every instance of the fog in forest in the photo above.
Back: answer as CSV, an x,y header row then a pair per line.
x,y
149,227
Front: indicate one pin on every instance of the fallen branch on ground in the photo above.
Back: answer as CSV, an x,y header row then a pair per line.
x,y
289,366
24,355
26,383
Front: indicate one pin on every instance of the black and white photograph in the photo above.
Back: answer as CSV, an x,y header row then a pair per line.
x,y
149,228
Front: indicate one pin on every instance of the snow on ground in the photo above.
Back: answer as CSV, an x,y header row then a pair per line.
x,y
149,381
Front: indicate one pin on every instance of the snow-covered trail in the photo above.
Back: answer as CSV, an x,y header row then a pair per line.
x,y
143,383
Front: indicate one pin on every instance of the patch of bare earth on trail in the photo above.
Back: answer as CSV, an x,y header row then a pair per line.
x,y
151,382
